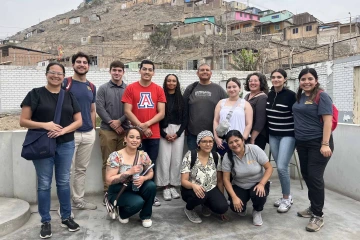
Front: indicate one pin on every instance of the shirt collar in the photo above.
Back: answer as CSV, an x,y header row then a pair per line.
x,y
114,85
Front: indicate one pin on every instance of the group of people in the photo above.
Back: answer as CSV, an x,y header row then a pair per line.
x,y
142,135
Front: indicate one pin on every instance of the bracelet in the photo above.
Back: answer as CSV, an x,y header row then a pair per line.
x,y
325,144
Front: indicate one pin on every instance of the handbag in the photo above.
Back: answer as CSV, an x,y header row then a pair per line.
x,y
112,210
224,125
37,144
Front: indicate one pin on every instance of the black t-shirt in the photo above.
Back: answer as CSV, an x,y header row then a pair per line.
x,y
43,105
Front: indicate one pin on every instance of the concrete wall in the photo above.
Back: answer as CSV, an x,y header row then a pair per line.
x,y
16,82
18,177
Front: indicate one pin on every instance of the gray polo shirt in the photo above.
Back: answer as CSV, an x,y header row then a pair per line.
x,y
248,170
109,105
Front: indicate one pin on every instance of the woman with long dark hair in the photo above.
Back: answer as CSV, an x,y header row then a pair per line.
x,y
281,133
140,194
172,139
38,110
257,85
241,116
246,163
313,112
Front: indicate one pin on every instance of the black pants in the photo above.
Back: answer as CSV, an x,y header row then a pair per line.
x,y
313,164
246,194
214,199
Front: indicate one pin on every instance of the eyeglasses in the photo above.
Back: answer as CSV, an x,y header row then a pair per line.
x,y
207,142
55,73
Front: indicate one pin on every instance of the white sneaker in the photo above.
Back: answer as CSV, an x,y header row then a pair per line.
x,y
71,214
146,223
126,220
174,193
278,202
257,219
192,216
285,205
84,205
156,202
167,194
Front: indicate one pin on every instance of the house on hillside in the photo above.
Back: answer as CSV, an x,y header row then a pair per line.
x,y
132,65
77,20
237,27
277,17
177,3
239,16
265,12
33,32
275,23
304,25
148,29
328,32
200,19
252,10
233,5
94,39
62,21
20,56
195,29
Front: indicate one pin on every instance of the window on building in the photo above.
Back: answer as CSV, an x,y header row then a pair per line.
x,y
240,14
277,26
93,61
247,25
295,30
5,52
251,17
232,28
189,5
275,16
84,39
309,28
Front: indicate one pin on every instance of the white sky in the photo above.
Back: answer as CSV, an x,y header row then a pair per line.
x,y
21,14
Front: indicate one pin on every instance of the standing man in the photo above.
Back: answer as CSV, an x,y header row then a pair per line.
x,y
144,104
200,102
85,93
111,111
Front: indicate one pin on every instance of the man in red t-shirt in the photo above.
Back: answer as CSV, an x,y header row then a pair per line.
x,y
144,105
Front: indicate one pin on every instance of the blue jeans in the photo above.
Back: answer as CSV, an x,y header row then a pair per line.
x,y
282,148
44,171
151,147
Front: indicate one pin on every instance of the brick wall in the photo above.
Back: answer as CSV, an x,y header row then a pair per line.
x,y
16,82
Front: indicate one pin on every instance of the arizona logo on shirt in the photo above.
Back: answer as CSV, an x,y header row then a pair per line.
x,y
145,100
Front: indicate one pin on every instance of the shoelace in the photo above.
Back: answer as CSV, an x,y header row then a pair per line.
x,y
315,220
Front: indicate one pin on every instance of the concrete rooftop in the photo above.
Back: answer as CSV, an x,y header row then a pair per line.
x,y
342,221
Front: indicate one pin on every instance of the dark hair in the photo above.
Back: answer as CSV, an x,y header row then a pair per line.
x,y
263,83
147,62
281,71
233,133
178,102
135,128
117,64
317,88
235,80
55,64
80,54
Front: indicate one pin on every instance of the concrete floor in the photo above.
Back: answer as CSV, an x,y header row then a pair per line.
x,y
342,221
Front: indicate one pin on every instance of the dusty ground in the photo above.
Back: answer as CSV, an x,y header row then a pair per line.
x,y
9,122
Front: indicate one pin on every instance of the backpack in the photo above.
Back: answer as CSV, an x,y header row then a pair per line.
x,y
335,111
194,155
67,84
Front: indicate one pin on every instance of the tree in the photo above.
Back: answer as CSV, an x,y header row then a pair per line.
x,y
245,60
161,37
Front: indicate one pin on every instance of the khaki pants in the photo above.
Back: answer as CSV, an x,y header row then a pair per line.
x,y
84,142
110,142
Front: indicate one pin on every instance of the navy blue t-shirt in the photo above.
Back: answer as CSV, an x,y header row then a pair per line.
x,y
85,97
307,114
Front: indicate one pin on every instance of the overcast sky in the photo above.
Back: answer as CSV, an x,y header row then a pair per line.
x,y
21,14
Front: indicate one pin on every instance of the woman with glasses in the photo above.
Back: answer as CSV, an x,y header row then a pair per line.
x,y
38,110
201,180
257,85
246,163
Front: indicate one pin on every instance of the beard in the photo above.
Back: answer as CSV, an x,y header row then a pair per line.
x,y
79,73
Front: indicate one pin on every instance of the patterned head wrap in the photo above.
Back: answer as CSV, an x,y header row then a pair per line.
x,y
203,134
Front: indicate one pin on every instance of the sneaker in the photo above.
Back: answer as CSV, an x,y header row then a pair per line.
x,y
243,213
125,220
278,202
103,201
156,202
192,216
71,214
174,193
315,223
83,205
257,220
70,224
146,223
206,212
285,205
167,194
45,230
307,213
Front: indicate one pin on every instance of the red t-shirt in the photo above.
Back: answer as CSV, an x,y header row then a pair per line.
x,y
144,102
